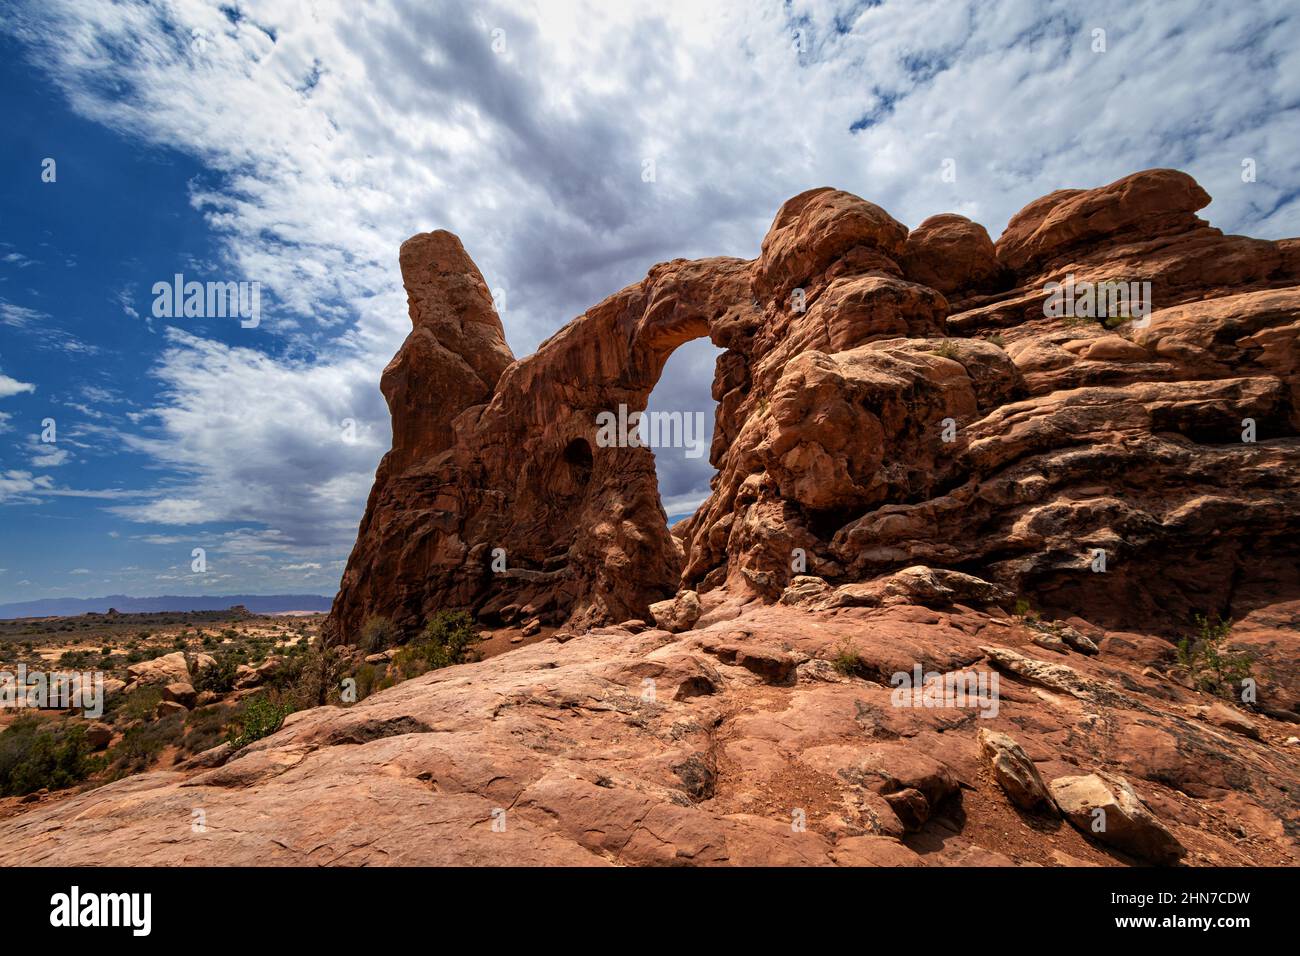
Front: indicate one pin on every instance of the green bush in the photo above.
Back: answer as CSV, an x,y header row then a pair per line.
x,y
75,660
1025,610
259,717
378,634
37,753
447,639
220,677
140,704
849,663
1210,663
371,679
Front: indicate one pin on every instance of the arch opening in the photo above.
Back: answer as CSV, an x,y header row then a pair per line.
x,y
682,411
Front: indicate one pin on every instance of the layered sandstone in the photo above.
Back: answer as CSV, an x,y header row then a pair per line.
x,y
849,345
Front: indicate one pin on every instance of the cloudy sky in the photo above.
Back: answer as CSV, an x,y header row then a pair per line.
x,y
297,144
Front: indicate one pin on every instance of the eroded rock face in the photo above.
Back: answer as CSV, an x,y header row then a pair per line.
x,y
863,425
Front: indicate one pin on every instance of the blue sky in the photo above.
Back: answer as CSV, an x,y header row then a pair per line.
x,y
257,142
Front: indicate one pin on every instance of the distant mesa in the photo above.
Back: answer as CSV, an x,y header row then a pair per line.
x,y
115,604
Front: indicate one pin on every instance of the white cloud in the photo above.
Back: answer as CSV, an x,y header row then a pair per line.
x,y
19,316
22,486
332,137
11,386
48,456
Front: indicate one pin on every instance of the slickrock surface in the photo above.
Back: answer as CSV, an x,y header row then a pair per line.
x,y
843,525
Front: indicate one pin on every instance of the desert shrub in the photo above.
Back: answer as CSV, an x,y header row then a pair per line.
x,y
377,634
259,717
1210,663
220,677
1023,609
205,727
75,660
447,639
37,753
948,349
371,679
142,743
312,677
140,704
136,654
849,662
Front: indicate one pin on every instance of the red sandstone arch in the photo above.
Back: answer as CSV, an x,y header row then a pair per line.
x,y
828,424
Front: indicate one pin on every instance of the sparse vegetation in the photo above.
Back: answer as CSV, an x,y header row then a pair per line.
x,y
947,349
447,639
37,753
142,743
1023,609
1210,663
377,634
51,751
140,704
849,663
260,716
370,679
219,677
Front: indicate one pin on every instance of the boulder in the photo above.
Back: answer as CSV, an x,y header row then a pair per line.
x,y
247,676
168,669
182,692
1014,771
677,614
1229,719
98,735
1107,808
167,708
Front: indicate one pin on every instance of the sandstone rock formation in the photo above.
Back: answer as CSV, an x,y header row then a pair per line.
x,y
885,400
168,669
948,549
